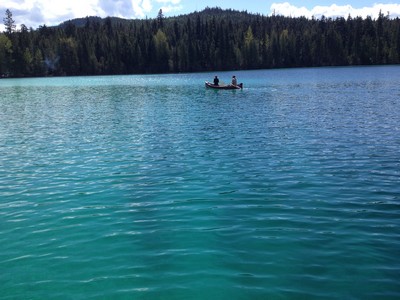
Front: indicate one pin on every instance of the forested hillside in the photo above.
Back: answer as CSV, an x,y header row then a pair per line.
x,y
213,39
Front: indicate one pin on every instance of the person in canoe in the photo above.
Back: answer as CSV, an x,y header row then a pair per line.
x,y
231,86
234,80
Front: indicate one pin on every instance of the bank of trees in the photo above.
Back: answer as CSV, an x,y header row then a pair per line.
x,y
213,39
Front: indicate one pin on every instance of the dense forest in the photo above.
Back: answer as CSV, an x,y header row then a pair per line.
x,y
213,39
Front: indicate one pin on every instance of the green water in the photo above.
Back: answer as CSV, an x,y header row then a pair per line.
x,y
154,187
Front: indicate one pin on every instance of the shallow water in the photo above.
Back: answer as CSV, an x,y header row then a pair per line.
x,y
153,187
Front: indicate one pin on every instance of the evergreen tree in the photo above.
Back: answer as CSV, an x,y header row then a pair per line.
x,y
213,39
160,19
5,54
9,23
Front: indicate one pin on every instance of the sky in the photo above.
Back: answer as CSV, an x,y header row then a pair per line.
x,y
33,13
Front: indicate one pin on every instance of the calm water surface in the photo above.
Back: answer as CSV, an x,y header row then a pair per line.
x,y
153,187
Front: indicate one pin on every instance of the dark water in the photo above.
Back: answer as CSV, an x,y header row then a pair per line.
x,y
153,187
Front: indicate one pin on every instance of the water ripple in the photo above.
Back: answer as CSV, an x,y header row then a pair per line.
x,y
159,190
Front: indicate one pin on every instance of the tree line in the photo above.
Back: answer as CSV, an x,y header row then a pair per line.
x,y
213,39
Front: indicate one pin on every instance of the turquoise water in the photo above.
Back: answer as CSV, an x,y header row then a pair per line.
x,y
153,187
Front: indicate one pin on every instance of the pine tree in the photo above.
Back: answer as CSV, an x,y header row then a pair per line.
x,y
9,23
213,39
160,19
5,54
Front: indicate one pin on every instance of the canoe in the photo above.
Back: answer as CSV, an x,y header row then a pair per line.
x,y
224,87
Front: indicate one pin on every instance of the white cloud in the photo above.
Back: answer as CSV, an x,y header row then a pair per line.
x,y
141,8
174,2
170,5
171,8
334,11
38,12
34,13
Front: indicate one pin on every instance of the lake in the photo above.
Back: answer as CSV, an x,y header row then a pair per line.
x,y
154,187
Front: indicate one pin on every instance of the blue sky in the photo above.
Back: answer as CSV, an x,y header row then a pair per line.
x,y
263,7
34,13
